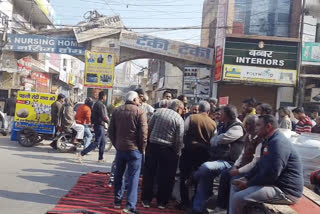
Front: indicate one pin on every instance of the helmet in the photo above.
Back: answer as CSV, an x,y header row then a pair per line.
x,y
89,102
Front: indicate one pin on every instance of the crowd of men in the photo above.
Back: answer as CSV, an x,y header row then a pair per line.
x,y
255,161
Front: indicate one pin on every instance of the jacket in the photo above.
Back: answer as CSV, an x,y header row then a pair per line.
x,y
99,114
228,144
10,106
279,165
128,129
285,123
67,116
56,108
199,129
83,115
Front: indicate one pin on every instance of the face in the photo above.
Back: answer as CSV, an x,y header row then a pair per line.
x,y
250,127
137,101
244,108
296,115
314,114
141,96
63,100
168,96
217,116
262,130
195,109
281,113
318,121
259,110
223,116
185,100
104,98
180,110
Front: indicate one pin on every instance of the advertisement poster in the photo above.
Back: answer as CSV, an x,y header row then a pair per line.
x,y
99,70
311,52
260,74
33,110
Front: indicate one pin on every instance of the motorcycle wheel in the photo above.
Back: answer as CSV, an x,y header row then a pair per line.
x,y
64,144
27,137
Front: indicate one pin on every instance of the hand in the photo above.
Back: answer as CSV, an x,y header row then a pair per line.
x,y
241,183
234,172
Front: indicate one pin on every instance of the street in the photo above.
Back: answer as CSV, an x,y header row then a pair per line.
x,y
34,179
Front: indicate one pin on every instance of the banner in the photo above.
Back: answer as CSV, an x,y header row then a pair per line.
x,y
99,69
311,52
167,47
34,110
102,27
260,74
44,44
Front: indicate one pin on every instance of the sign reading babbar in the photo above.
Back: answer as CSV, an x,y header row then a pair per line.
x,y
260,74
166,47
102,27
99,69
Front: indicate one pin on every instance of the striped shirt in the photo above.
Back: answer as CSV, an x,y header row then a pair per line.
x,y
304,125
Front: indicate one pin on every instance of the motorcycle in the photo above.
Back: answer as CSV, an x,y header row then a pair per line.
x,y
64,141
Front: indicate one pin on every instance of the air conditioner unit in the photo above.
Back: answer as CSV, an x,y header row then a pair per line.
x,y
315,95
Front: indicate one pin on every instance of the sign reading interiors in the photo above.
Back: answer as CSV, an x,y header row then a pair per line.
x,y
270,62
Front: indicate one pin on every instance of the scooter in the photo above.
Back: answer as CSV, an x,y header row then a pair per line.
x,y
64,141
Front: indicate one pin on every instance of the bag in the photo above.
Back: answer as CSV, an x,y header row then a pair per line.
x,y
315,177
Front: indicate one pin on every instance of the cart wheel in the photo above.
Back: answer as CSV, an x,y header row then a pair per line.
x,y
27,137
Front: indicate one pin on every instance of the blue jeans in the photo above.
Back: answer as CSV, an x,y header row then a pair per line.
x,y
239,200
131,160
100,141
88,135
205,176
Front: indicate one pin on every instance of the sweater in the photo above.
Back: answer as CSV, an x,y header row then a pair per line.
x,y
83,115
279,166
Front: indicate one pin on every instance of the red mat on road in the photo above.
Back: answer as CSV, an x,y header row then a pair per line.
x,y
92,195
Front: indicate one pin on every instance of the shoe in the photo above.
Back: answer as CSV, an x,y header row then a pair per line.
x,y
117,204
130,211
161,206
219,210
181,206
101,161
145,204
79,157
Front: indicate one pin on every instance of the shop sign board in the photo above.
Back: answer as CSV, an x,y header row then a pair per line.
x,y
196,82
45,44
311,52
260,74
102,27
223,101
166,47
260,61
99,71
220,38
33,110
25,65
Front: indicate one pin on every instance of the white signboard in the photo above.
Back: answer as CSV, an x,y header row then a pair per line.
x,y
102,27
260,74
6,9
196,82
167,47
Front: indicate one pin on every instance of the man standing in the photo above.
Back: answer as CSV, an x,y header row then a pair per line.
x,y
166,130
226,148
277,178
167,95
199,129
148,109
56,111
83,117
10,110
305,124
128,133
99,118
248,108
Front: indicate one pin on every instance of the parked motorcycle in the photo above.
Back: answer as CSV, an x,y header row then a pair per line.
x,y
64,141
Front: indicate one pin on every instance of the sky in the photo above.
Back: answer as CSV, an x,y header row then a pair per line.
x,y
139,13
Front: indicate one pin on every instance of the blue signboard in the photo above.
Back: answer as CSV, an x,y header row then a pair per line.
x,y
39,128
45,44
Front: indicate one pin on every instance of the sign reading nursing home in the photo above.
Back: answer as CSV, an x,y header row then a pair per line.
x,y
102,27
166,47
45,44
270,62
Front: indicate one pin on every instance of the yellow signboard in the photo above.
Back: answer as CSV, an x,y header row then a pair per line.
x,y
34,107
99,69
259,74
